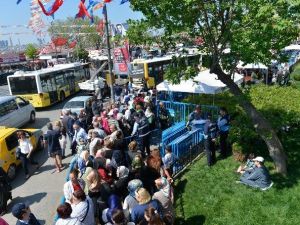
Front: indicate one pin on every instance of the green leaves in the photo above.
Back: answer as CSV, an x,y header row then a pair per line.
x,y
85,34
31,51
253,29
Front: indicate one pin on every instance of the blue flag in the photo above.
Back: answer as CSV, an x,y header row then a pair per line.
x,y
18,2
104,12
123,1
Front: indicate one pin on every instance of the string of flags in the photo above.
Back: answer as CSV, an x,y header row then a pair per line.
x,y
39,7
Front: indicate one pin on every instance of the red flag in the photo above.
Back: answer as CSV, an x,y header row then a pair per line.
x,y
82,11
60,41
53,9
72,44
107,1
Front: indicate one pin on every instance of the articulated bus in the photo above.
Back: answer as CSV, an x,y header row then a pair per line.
x,y
152,70
47,86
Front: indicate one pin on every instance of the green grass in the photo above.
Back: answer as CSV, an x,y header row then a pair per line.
x,y
296,70
210,196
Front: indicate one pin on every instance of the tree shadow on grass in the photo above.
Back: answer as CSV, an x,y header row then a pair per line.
x,y
291,144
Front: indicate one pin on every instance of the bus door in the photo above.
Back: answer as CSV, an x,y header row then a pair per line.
x,y
49,86
71,81
53,95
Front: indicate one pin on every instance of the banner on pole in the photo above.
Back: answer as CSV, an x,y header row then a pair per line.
x,y
121,60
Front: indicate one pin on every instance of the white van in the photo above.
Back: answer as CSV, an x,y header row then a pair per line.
x,y
15,111
121,79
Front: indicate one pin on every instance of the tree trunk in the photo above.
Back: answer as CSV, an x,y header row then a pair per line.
x,y
261,124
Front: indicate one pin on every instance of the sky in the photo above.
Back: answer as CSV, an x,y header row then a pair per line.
x,y
13,14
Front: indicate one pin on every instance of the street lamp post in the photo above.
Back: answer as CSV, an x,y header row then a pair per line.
x,y
109,56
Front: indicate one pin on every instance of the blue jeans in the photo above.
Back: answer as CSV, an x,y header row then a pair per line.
x,y
25,161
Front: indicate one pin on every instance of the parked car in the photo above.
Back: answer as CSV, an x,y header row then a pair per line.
x,y
15,111
77,103
9,144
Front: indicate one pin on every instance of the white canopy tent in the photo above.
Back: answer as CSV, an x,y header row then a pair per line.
x,y
292,48
252,66
204,83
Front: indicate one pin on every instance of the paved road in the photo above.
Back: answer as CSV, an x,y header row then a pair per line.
x,y
43,189
4,90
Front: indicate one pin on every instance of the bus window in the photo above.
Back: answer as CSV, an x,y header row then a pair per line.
x,y
23,85
79,74
59,80
47,83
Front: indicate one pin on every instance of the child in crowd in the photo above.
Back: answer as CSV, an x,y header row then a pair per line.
x,y
248,166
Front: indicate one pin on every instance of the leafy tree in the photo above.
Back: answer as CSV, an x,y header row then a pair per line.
x,y
138,33
81,53
81,30
31,51
254,30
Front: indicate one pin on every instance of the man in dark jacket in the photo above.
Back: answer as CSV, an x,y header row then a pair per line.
x,y
51,140
141,128
5,191
22,212
164,116
210,132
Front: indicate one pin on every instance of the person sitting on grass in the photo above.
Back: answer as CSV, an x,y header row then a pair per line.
x,y
250,165
258,177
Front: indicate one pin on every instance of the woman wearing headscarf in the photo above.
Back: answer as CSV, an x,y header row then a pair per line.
x,y
130,201
113,203
165,196
120,185
83,161
96,143
104,122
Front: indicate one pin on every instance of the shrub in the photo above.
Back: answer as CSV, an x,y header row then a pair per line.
x,y
280,105
297,77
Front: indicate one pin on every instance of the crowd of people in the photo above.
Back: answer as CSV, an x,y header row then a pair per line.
x,y
115,178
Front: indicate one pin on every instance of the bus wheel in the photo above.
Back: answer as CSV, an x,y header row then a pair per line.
x,y
62,96
11,172
32,117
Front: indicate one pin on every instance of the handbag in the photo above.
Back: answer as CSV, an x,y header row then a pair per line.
x,y
18,153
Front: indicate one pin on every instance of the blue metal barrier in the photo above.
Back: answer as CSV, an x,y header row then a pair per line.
x,y
172,133
182,110
185,147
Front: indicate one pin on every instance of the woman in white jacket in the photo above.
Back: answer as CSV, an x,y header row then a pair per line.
x,y
82,208
72,185
64,213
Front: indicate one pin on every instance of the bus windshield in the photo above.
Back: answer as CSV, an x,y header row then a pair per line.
x,y
23,85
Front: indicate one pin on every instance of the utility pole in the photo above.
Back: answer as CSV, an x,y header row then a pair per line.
x,y
109,55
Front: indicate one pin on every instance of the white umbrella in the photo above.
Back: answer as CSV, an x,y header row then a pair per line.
x,y
203,83
252,66
211,84
292,47
187,86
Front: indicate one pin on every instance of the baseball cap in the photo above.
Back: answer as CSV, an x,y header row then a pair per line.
x,y
259,159
18,209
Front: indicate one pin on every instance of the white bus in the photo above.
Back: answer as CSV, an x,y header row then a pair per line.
x,y
47,86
